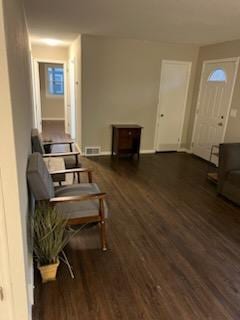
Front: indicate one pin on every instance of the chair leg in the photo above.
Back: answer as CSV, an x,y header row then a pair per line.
x,y
78,175
102,226
103,235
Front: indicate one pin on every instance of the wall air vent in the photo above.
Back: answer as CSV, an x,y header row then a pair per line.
x,y
92,151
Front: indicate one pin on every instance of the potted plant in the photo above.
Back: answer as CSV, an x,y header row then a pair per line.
x,y
49,239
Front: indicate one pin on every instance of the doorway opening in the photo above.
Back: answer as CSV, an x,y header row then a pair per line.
x,y
54,96
51,77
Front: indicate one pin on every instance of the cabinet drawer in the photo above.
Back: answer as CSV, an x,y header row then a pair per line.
x,y
123,133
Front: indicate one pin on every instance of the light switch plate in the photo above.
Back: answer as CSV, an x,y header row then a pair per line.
x,y
233,113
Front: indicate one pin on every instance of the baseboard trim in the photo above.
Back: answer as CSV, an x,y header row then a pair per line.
x,y
108,153
181,150
151,151
53,119
105,153
184,150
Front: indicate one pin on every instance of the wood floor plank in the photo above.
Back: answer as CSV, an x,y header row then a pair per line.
x,y
174,248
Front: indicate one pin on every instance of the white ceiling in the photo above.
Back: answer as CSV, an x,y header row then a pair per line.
x,y
174,21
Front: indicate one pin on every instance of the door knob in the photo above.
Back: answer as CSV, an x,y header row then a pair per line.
x,y
220,124
162,115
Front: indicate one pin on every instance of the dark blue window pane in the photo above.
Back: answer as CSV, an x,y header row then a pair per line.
x,y
55,81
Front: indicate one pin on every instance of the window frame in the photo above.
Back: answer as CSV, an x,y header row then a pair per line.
x,y
47,92
217,80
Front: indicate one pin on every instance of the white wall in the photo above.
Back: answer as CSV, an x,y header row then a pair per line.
x,y
15,127
120,84
45,52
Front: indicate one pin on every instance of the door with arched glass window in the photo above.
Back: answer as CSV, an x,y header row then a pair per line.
x,y
214,100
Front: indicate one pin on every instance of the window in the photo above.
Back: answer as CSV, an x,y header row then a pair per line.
x,y
55,77
218,75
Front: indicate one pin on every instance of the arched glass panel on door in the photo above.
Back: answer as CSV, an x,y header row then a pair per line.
x,y
218,75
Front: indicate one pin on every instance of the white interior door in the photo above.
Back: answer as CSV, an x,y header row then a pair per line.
x,y
5,296
174,83
215,95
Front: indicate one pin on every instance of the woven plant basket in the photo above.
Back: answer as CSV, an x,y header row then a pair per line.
x,y
49,272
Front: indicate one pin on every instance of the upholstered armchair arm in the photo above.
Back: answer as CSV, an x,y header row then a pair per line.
x,y
229,159
75,170
84,197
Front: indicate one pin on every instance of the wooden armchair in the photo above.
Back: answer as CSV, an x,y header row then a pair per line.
x,y
71,158
79,203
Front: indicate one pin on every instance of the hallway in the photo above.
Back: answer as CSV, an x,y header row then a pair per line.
x,y
54,130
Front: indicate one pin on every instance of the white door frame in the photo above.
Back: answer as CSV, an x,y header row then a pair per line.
x,y
4,262
37,104
189,64
72,96
205,62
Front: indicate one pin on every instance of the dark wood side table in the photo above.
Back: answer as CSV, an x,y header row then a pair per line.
x,y
126,139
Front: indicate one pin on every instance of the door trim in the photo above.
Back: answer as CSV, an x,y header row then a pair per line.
x,y
189,64
72,96
205,62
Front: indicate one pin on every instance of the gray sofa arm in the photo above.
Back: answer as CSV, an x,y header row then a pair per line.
x,y
229,159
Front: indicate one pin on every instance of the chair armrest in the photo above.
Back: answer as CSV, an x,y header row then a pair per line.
x,y
61,154
72,170
75,170
50,143
84,197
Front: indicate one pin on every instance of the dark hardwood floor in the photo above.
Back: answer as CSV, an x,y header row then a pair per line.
x,y
54,129
174,248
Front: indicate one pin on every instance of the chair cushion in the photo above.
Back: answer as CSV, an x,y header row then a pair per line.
x,y
37,145
70,162
234,177
79,209
39,179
